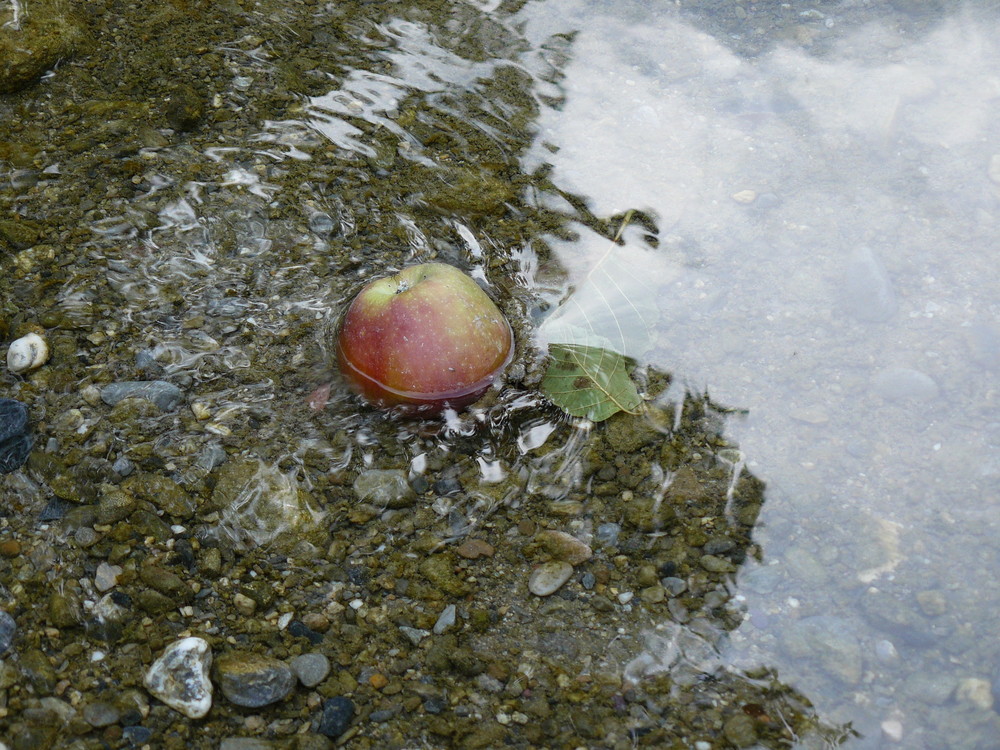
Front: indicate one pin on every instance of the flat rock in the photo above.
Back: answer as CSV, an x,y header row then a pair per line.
x,y
253,680
164,395
549,577
563,546
179,677
904,384
829,642
867,292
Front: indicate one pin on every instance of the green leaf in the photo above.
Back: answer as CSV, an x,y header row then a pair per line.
x,y
590,382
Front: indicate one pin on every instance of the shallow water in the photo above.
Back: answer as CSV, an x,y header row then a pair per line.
x,y
807,200
826,260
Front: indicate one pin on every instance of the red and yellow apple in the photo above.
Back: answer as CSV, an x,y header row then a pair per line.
x,y
423,339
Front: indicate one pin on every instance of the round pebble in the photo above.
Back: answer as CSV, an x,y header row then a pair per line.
x,y
311,669
563,546
101,714
27,353
549,577
904,384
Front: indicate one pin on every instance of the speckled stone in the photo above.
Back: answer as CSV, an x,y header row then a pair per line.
x,y
179,677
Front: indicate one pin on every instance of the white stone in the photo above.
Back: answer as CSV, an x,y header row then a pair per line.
x,y
106,576
445,620
892,729
27,353
179,677
547,578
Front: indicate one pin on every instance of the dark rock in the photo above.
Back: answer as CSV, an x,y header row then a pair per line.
x,y
13,418
14,451
299,630
54,510
7,629
183,108
445,487
337,715
137,736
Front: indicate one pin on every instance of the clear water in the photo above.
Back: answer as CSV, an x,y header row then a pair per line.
x,y
827,261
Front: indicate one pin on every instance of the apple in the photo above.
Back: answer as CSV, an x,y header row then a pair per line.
x,y
423,339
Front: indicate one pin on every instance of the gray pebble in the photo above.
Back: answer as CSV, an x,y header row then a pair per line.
x,y
123,466
415,635
867,293
101,714
253,680
386,488
164,395
549,577
904,384
829,642
607,534
674,586
311,669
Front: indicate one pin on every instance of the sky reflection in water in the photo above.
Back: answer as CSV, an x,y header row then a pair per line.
x,y
827,261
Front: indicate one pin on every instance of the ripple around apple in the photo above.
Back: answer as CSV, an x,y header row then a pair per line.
x,y
415,402
423,340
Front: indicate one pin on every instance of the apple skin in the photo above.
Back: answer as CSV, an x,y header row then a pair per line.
x,y
423,339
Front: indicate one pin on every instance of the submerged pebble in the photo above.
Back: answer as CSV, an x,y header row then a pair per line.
x,y
904,384
161,393
15,442
253,680
549,577
311,669
179,677
867,292
27,353
336,717
7,629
